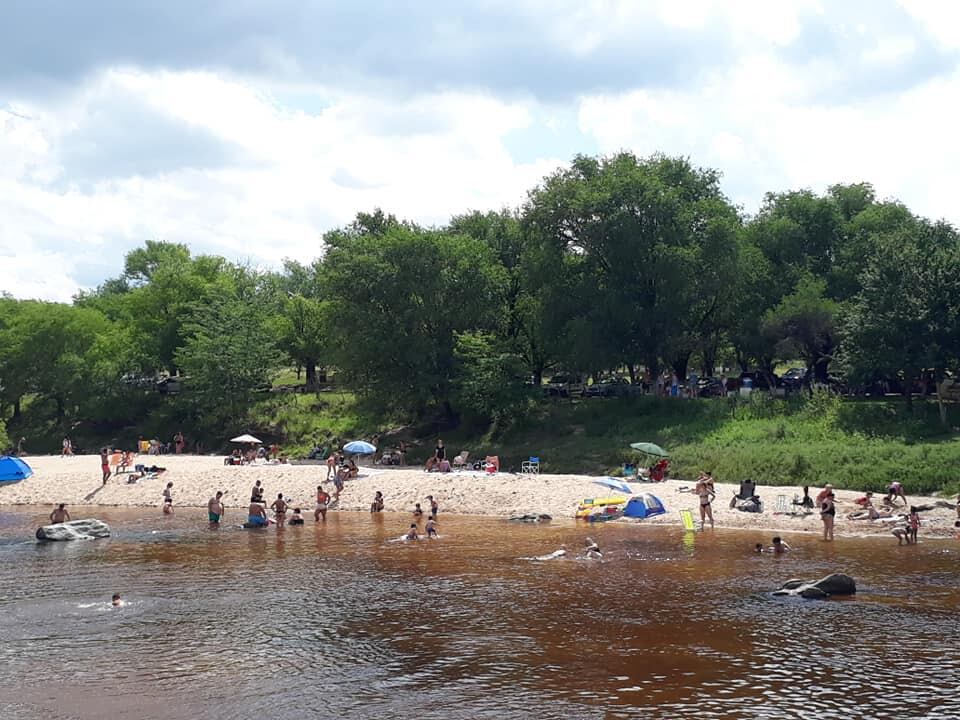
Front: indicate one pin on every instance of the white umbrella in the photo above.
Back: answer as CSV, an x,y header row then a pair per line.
x,y
246,439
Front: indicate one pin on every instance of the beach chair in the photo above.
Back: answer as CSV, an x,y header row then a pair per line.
x,y
530,466
460,461
491,464
781,507
629,471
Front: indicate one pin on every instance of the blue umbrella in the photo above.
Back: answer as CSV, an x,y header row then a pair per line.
x,y
359,447
615,484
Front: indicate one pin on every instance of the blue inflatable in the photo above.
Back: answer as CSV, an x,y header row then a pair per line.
x,y
644,505
13,470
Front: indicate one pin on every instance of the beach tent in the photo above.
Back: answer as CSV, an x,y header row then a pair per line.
x,y
644,505
13,469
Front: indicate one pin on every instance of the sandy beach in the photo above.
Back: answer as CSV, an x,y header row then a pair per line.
x,y
76,481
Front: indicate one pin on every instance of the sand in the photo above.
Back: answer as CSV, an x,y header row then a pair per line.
x,y
76,481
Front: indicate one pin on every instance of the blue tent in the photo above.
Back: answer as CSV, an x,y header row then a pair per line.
x,y
13,470
644,505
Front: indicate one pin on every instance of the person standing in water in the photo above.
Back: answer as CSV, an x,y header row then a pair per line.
x,y
377,504
828,512
323,500
59,514
704,490
215,508
434,506
168,499
257,515
279,507
431,528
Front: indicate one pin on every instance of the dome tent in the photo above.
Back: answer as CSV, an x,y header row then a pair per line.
x,y
13,469
644,505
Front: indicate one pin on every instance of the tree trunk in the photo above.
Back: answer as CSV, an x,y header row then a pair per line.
x,y
908,394
16,410
61,409
311,368
679,366
941,407
632,369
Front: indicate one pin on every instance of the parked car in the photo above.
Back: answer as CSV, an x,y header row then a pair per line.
x,y
564,386
711,387
608,387
759,380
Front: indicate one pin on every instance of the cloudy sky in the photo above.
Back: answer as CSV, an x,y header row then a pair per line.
x,y
248,128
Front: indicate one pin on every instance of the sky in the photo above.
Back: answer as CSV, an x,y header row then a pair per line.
x,y
247,128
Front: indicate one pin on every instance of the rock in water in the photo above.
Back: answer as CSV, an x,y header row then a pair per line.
x,y
74,530
834,584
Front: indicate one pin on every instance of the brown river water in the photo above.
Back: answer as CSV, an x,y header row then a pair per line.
x,y
337,621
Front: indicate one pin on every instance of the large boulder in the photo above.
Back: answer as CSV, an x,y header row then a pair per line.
x,y
531,518
829,586
74,530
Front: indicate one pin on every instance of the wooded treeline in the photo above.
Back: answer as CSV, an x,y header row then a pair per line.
x,y
612,264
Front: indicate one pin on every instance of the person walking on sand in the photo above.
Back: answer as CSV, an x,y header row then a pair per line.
x,y
704,490
105,464
168,499
279,507
828,511
323,501
59,514
178,443
215,508
332,463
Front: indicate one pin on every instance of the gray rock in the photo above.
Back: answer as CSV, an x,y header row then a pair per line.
x,y
74,530
542,517
833,584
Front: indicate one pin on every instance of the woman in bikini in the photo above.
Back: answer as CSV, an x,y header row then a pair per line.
x,y
704,490
828,512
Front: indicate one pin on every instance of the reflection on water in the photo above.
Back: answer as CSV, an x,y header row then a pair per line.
x,y
318,621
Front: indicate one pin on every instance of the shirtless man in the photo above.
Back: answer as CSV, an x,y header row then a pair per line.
x,y
59,514
279,507
257,515
215,508
323,500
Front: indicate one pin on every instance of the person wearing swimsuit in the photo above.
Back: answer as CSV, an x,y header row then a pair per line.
x,y
279,507
704,490
323,499
827,513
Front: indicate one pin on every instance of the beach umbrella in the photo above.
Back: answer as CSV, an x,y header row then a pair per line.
x,y
246,439
359,447
13,469
649,449
614,484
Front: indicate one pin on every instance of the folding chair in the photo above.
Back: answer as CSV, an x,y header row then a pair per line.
x,y
781,507
460,461
629,471
530,466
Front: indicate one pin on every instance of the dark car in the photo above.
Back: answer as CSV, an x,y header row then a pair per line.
x,y
608,387
759,380
710,387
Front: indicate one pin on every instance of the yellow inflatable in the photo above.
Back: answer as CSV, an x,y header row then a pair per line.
x,y
590,505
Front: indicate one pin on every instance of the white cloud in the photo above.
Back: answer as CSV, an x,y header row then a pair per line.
x,y
423,159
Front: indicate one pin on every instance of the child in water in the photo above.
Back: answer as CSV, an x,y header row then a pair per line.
x,y
779,546
168,499
116,601
431,528
297,518
914,523
417,510
412,533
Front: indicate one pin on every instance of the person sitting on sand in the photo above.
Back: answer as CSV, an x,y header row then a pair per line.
x,y
779,547
257,515
297,517
377,504
215,508
431,528
412,533
323,501
279,507
59,514
352,469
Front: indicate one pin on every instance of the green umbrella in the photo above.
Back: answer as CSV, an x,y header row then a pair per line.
x,y
650,449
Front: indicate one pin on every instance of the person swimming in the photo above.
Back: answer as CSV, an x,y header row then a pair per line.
x,y
116,601
592,551
417,510
779,546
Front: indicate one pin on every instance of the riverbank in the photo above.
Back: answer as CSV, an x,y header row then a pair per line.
x,y
76,482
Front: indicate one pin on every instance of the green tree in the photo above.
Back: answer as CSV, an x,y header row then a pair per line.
x,y
229,355
398,295
489,382
803,325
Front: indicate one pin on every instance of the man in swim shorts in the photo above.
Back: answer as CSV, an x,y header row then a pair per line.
x,y
215,508
59,514
257,516
323,500
434,506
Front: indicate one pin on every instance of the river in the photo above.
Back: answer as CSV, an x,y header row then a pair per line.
x,y
337,621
